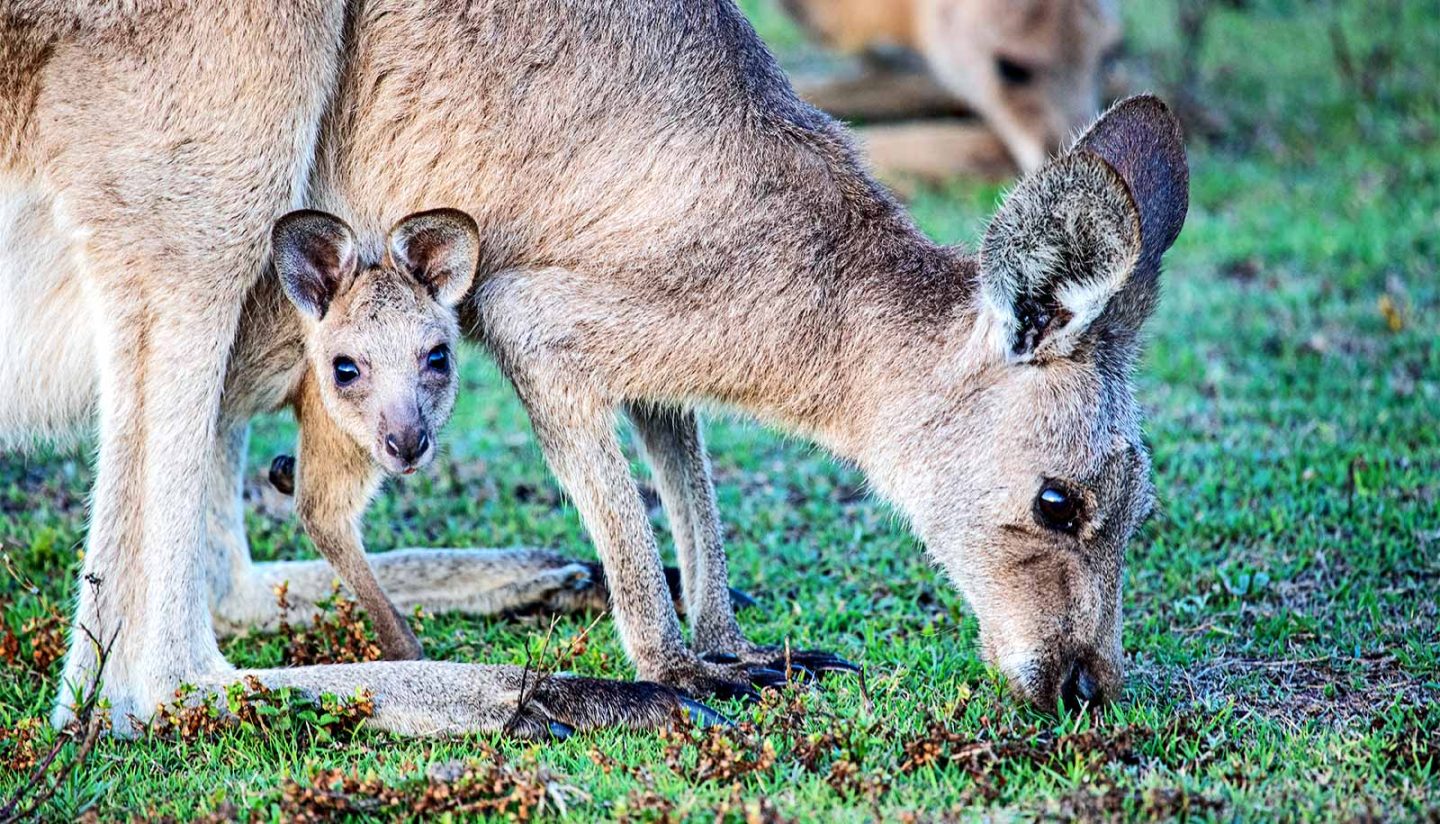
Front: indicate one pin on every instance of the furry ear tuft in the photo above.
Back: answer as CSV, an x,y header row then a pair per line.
x,y
1074,254
1064,243
315,257
440,249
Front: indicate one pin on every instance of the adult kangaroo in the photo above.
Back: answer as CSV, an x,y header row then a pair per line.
x,y
663,225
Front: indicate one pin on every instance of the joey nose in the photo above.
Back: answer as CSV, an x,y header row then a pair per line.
x,y
1080,687
408,445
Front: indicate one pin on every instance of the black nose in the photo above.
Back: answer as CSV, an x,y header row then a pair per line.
x,y
408,445
1080,687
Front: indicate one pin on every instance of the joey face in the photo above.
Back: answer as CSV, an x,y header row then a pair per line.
x,y
382,359
380,338
1018,455
1031,68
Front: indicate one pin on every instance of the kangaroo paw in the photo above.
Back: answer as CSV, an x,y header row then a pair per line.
x,y
814,660
726,677
572,588
577,703
282,474
802,666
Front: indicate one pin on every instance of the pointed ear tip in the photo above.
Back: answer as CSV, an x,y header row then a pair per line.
x,y
1147,106
1148,115
309,221
1143,140
443,214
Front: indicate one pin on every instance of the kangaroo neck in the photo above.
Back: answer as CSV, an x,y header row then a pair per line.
x,y
861,308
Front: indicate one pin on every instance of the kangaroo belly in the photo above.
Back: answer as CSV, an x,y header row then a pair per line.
x,y
48,379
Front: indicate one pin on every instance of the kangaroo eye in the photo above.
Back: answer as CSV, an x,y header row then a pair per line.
x,y
1015,74
346,371
439,358
1057,508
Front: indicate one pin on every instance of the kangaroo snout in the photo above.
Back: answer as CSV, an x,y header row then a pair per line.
x,y
1082,686
407,447
1079,679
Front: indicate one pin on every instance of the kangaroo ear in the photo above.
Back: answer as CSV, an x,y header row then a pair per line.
x,y
315,257
440,249
1074,254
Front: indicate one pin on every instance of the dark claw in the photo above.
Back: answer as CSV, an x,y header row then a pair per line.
x,y
282,474
764,677
738,599
561,731
819,662
731,691
702,716
720,658
798,673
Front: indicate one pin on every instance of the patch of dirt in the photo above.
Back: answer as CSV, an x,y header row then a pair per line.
x,y
1298,690
339,634
981,755
489,785
1108,802
38,645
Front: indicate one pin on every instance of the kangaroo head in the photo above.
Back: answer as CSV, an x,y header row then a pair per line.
x,y
1016,450
379,337
1031,68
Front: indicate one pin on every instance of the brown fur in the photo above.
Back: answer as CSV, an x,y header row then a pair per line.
x,y
664,226
974,49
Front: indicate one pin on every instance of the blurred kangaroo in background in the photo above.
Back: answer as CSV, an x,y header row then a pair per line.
x,y
663,224
1030,68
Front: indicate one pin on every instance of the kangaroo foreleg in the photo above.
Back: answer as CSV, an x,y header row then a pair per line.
x,y
676,452
673,446
580,444
333,489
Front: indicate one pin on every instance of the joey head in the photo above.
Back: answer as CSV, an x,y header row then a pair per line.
x,y
380,337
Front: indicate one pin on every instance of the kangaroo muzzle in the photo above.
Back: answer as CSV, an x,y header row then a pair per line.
x,y
407,447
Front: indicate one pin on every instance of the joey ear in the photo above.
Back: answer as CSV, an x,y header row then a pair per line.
x,y
315,258
440,249
1074,254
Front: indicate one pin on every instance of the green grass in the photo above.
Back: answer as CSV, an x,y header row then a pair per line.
x,y
1282,614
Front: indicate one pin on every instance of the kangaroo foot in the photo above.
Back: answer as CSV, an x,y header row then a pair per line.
x,y
727,677
553,708
802,666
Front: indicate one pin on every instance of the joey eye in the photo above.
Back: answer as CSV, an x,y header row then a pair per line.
x,y
1057,508
346,371
1013,73
439,359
